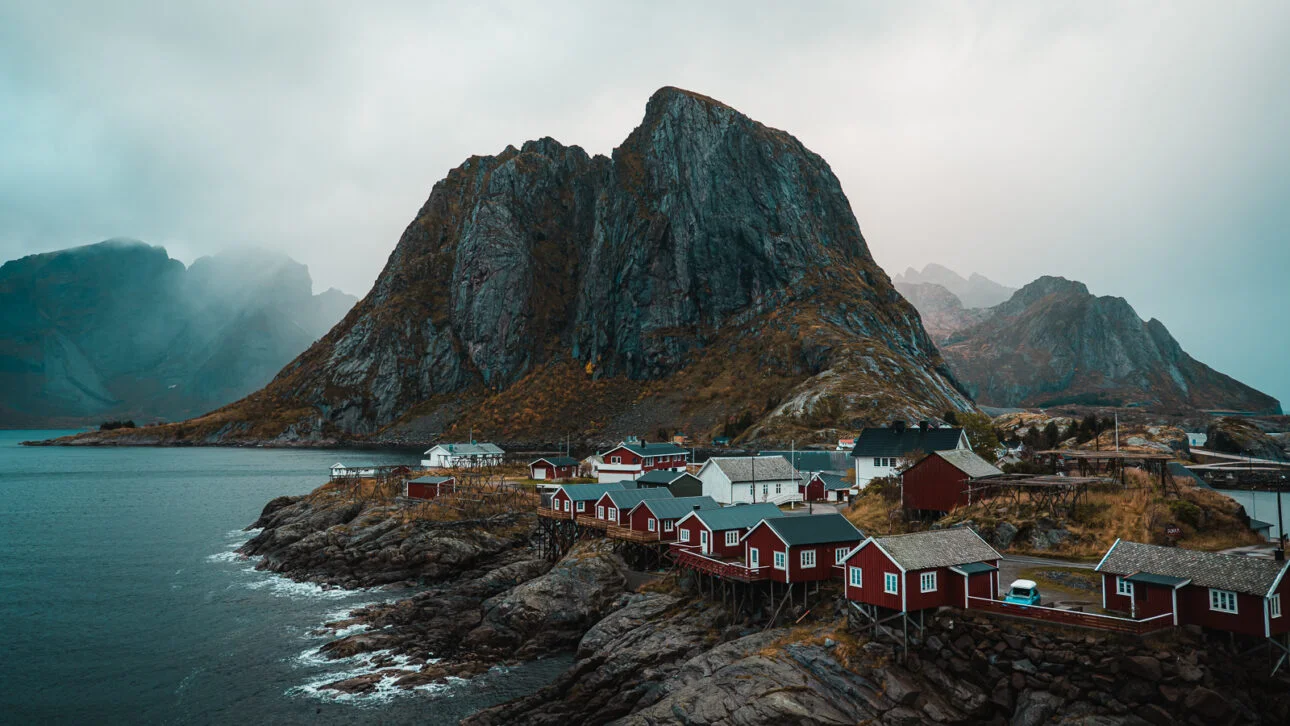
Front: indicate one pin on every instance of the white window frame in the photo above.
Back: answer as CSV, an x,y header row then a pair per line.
x,y
668,525
1220,600
1274,606
600,511
891,583
877,461
840,555
779,487
582,506
684,536
567,506
615,460
807,558
1123,587
765,491
613,513
555,504
732,538
856,577
652,524
781,560
927,581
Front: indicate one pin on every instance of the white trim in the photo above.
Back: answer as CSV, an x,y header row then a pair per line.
x,y
1108,554
736,534
801,559
1123,588
1235,599
777,557
754,558
684,536
922,581
852,573
886,584
840,560
669,525
1276,598
1277,582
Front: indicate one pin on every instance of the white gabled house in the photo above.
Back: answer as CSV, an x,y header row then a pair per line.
x,y
455,456
748,479
882,452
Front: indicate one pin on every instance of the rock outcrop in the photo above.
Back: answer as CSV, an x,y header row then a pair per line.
x,y
1054,343
120,330
942,312
1232,435
711,268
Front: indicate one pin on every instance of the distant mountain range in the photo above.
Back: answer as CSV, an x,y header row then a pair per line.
x,y
1052,343
118,329
974,291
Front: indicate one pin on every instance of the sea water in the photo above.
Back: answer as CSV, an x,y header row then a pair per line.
x,y
122,600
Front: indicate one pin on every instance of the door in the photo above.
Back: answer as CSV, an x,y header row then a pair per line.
x,y
539,472
754,558
704,543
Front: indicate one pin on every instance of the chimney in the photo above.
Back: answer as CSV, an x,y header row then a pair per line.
x,y
923,426
898,425
696,507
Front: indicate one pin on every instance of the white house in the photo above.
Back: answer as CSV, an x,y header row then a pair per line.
x,y
452,456
747,479
882,452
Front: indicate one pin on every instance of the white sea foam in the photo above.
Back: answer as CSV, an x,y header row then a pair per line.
x,y
281,586
361,665
226,556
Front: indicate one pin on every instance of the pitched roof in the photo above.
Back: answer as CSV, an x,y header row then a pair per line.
x,y
1251,575
966,461
556,461
628,498
468,449
661,449
937,548
430,479
749,469
660,476
585,492
833,482
898,442
740,516
678,507
814,529
813,461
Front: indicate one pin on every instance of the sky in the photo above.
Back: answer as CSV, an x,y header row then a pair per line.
x,y
1142,148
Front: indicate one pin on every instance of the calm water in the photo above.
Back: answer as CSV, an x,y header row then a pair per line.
x,y
121,600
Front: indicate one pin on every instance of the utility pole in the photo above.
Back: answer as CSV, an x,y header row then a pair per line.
x,y
1117,432
1281,527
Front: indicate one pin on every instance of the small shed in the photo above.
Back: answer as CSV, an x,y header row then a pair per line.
x,y
939,483
801,548
825,487
912,572
680,483
429,487
553,468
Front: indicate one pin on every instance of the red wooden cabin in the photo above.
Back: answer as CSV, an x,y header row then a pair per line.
x,y
659,516
614,506
1235,593
630,460
825,487
553,468
571,500
719,532
801,548
911,572
939,483
429,487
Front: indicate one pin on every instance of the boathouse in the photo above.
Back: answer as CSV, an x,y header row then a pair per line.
x,y
880,452
613,506
658,517
940,483
912,572
801,548
462,456
749,479
825,487
575,499
429,487
720,531
553,468
629,460
1236,593
680,483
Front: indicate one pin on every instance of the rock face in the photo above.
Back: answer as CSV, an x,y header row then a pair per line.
x,y
1054,343
120,330
1236,436
975,291
708,252
942,312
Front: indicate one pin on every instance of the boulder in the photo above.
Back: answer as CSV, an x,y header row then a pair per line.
x,y
1004,533
1034,708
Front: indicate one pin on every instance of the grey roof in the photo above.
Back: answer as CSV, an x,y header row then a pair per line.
x,y
557,460
833,482
966,461
739,516
470,449
585,492
663,449
661,476
743,469
893,442
628,498
815,529
813,461
937,548
678,507
1251,575
430,479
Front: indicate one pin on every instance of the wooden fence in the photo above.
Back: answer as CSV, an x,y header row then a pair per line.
x,y
718,568
1072,617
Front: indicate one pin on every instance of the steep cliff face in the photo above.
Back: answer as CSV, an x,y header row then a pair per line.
x,y
119,329
1053,342
711,267
942,312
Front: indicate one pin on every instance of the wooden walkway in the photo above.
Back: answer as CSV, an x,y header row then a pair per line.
x,y
1072,617
726,569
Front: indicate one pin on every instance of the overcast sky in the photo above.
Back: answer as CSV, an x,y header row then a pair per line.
x,y
1143,148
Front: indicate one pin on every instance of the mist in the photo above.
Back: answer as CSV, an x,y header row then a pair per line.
x,y
1138,148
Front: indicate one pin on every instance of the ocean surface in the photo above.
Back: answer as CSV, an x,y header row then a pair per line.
x,y
121,600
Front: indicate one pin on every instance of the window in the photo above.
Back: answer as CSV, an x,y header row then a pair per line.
x,y
566,505
555,504
668,525
857,577
1224,601
582,506
600,512
684,536
615,460
613,514
1123,587
927,582
779,487
877,462
651,524
752,492
808,558
781,561
890,583
732,538
765,491
1274,606
840,555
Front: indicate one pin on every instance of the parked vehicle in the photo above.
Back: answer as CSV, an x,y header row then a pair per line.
x,y
1023,592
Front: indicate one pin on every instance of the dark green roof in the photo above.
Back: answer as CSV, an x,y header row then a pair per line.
x,y
628,498
739,516
430,480
558,460
678,507
833,482
972,568
815,529
898,442
660,476
585,492
664,449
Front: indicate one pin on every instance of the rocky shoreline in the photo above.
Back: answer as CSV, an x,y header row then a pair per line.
x,y
480,597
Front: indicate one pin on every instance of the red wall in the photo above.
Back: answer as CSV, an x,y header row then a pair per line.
x,y
604,502
813,492
934,484
429,491
1193,609
552,472
949,585
630,459
693,526
639,521
559,497
718,548
874,565
767,543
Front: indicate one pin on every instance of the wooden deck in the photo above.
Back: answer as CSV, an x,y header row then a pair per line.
x,y
550,513
1073,617
588,520
627,534
727,569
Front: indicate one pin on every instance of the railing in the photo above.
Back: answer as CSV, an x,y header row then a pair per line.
x,y
718,568
1073,617
550,513
632,535
588,520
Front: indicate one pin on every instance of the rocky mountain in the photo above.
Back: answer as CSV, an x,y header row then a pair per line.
x,y
974,291
120,330
1054,343
710,271
941,310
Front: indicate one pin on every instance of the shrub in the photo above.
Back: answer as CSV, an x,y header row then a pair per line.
x,y
1185,512
113,425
